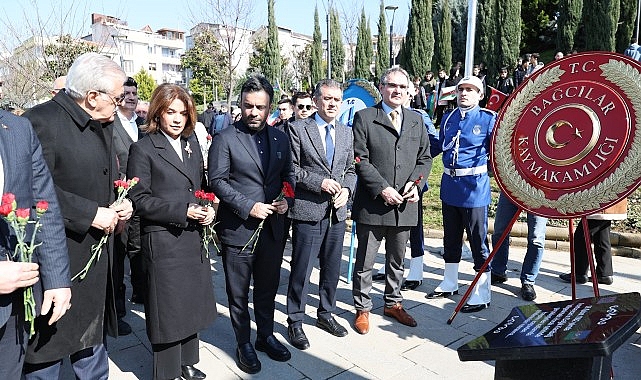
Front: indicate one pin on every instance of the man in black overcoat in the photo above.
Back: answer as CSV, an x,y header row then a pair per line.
x,y
73,128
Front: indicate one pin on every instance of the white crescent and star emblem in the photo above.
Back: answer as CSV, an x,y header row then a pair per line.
x,y
551,140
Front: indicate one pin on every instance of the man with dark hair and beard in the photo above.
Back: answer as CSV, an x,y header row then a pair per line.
x,y
248,164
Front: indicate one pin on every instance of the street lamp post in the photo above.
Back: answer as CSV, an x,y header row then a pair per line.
x,y
392,59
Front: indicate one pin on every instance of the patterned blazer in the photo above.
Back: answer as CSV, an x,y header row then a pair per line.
x,y
311,168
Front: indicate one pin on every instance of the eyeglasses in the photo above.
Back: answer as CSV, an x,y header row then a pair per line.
x,y
395,85
117,100
305,106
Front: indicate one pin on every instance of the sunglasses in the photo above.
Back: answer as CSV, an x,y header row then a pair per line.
x,y
304,106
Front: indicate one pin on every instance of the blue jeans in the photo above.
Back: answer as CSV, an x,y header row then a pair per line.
x,y
535,241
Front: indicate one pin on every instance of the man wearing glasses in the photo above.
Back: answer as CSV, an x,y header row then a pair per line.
x,y
76,138
393,148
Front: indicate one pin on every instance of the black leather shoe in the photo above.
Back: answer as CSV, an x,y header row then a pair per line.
x,y
123,328
527,292
379,277
580,278
247,358
331,326
297,337
273,348
192,373
497,278
605,280
474,308
435,295
411,285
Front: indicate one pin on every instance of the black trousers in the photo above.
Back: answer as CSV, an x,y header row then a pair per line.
x,y
168,357
127,244
600,235
309,241
263,265
474,221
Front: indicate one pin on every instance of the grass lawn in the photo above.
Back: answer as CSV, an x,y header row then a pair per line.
x,y
433,218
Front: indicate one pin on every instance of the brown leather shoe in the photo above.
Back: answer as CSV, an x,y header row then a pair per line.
x,y
361,323
400,314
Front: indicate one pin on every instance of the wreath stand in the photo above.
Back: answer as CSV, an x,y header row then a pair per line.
x,y
588,245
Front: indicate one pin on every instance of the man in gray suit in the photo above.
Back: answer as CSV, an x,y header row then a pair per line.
x,y
393,148
323,158
24,173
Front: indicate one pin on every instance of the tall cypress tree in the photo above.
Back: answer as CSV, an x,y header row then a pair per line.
x,y
600,21
363,56
626,24
316,57
272,51
336,47
442,25
509,27
419,41
486,46
382,45
570,12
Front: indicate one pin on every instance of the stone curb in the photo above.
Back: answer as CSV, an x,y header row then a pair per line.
x,y
556,238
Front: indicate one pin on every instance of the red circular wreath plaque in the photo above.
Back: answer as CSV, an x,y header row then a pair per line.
x,y
568,142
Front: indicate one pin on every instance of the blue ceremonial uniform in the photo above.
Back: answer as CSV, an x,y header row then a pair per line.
x,y
469,150
464,140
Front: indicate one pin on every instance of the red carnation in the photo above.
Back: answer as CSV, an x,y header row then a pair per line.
x,y
288,191
8,198
42,207
6,209
209,137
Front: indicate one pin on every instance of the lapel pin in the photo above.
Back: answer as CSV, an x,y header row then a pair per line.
x,y
188,150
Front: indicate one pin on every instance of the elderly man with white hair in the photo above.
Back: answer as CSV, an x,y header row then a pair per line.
x,y
76,135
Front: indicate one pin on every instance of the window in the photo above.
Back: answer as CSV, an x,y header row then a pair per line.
x,y
152,66
128,66
127,48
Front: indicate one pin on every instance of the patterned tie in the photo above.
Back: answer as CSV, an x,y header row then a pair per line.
x,y
329,145
395,120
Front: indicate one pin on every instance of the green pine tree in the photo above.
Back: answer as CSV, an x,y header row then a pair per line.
x,y
316,56
600,23
272,68
442,25
146,84
363,56
419,41
382,45
336,47
568,23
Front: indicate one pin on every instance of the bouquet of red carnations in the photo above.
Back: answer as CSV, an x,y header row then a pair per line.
x,y
18,219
